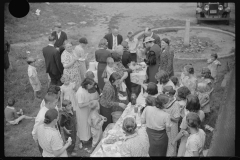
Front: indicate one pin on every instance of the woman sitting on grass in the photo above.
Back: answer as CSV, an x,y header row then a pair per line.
x,y
11,115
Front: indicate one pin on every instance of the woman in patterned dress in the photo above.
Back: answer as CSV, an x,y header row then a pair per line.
x,y
188,78
166,58
136,143
69,61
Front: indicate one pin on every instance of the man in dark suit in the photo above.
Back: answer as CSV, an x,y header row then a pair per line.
x,y
61,37
149,33
114,39
53,63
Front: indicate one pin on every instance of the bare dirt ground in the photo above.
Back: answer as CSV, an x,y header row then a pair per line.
x,y
30,34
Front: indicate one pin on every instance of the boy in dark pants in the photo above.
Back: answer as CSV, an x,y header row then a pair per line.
x,y
68,123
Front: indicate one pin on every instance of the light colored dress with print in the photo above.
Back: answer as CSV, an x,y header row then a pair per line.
x,y
82,113
195,142
79,52
32,72
136,145
173,109
214,68
69,94
190,83
72,72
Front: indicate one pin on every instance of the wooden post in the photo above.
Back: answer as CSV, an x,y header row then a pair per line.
x,y
187,30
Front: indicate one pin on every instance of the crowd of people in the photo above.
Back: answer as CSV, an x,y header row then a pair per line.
x,y
76,108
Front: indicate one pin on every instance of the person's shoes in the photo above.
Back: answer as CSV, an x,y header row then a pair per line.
x,y
73,154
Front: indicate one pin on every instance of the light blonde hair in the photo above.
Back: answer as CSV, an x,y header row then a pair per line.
x,y
110,59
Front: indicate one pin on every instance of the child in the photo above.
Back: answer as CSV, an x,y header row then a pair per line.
x,y
175,81
68,123
181,96
196,139
33,78
67,92
95,121
11,115
90,74
213,64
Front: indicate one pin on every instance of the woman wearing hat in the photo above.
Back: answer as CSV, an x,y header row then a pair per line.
x,y
152,58
49,137
79,52
69,61
136,143
101,56
204,89
158,124
188,78
166,59
33,77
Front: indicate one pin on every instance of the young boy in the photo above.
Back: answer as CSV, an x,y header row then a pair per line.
x,y
95,120
213,65
68,123
12,116
33,78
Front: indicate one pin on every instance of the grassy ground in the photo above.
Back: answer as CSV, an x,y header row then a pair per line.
x,y
31,37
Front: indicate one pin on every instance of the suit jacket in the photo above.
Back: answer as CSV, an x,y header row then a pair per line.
x,y
109,38
156,38
59,41
52,60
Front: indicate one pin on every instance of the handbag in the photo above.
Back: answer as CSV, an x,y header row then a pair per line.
x,y
151,58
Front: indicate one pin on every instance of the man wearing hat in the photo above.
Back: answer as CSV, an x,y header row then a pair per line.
x,y
53,63
60,36
149,33
152,58
33,78
114,38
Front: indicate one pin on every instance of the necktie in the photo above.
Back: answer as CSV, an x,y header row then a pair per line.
x,y
115,42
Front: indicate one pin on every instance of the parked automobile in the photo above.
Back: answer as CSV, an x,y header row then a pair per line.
x,y
213,11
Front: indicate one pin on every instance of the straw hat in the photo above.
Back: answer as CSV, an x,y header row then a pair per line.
x,y
148,39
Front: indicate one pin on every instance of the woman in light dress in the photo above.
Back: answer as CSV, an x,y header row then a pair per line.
x,y
163,78
69,61
79,52
136,143
85,99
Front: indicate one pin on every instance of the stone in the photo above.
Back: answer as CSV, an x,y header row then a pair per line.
x,y
71,23
83,22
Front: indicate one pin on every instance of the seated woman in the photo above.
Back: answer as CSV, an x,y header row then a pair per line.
x,y
192,105
151,90
109,98
204,89
136,143
188,78
163,79
158,124
12,116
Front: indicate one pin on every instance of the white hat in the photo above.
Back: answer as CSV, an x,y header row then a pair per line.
x,y
148,39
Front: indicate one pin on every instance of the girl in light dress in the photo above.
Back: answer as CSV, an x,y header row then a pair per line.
x,y
95,121
163,79
213,65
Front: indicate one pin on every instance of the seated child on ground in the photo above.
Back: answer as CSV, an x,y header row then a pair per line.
x,y
68,123
33,77
11,115
95,120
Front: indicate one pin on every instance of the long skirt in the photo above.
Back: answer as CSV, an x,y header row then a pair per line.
x,y
100,69
151,72
106,112
158,142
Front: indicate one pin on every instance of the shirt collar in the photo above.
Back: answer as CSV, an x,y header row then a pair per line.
x,y
10,107
51,45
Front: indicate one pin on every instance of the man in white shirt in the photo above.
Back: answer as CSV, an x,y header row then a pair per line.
x,y
114,39
50,103
132,42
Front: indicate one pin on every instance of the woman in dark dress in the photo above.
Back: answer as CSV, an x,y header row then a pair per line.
x,y
101,56
166,58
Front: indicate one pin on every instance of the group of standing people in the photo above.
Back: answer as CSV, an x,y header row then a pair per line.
x,y
76,106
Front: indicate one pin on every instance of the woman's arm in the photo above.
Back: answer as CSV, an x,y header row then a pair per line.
x,y
57,153
174,119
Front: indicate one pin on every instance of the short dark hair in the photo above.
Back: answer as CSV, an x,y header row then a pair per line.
x,y
49,98
83,40
113,77
11,101
116,57
86,82
66,102
175,80
129,125
53,89
193,120
150,101
169,90
189,68
51,38
50,115
161,100
152,88
183,92
206,73
162,76
193,104
214,55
